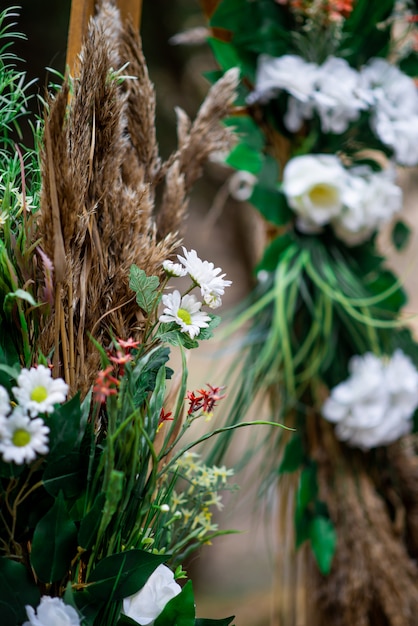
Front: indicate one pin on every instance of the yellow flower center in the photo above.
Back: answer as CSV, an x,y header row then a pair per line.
x,y
323,195
39,394
184,316
21,438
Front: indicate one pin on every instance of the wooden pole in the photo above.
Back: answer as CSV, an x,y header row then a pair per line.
x,y
81,12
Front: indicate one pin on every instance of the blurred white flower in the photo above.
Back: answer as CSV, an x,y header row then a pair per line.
x,y
4,402
338,97
313,185
241,185
185,311
146,605
395,103
37,392
375,405
206,276
23,438
52,612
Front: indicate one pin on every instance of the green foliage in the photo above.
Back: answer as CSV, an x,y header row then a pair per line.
x,y
145,288
400,235
16,590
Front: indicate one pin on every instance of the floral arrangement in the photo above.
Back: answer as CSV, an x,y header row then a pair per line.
x,y
326,112
101,499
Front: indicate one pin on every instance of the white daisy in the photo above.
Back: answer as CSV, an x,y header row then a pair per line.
x,y
206,276
174,269
37,392
185,311
4,402
22,438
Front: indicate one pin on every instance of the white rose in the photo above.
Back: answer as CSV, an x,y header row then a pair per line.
x,y
147,604
52,612
313,185
375,405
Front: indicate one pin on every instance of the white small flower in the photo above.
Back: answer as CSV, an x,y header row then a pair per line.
x,y
146,605
37,392
375,405
206,276
241,185
174,269
52,612
185,311
4,402
313,186
23,438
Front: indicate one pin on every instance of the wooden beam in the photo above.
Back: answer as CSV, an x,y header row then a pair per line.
x,y
81,12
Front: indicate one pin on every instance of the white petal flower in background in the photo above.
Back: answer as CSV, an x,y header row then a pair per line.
x,y
205,275
4,402
313,185
375,405
146,605
338,97
37,392
52,612
185,311
174,269
22,438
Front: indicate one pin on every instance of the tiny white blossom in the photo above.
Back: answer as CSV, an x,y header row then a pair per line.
x,y
241,185
148,603
174,269
37,392
52,612
185,311
4,402
375,405
23,438
206,276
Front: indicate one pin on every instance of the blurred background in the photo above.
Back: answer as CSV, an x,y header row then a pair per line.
x,y
236,575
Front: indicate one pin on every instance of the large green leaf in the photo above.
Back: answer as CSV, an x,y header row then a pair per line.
x,y
16,590
145,288
54,543
274,252
180,610
64,426
66,474
272,205
244,157
323,542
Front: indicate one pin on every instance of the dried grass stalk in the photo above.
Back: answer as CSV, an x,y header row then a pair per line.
x,y
100,172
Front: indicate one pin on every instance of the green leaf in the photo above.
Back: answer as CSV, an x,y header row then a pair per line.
x,y
324,542
225,54
400,235
54,543
244,157
90,523
66,474
274,252
18,294
272,205
121,575
145,288
307,488
207,333
16,591
180,610
215,622
293,456
64,425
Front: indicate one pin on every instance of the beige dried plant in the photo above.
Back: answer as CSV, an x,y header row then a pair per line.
x,y
100,173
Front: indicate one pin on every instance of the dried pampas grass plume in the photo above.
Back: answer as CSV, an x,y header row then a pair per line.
x,y
100,174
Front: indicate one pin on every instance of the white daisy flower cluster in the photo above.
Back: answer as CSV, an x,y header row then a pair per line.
x,y
186,310
23,434
338,93
354,202
375,405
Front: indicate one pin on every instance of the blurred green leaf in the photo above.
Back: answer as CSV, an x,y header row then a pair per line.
x,y
225,54
145,288
324,542
180,610
54,543
244,157
400,235
272,205
16,591
293,456
274,251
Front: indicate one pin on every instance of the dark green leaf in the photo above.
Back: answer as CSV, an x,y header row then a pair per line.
x,y
215,622
66,474
274,251
400,235
16,591
54,543
64,426
145,288
324,542
272,205
90,523
409,64
307,488
121,575
124,620
180,610
244,157
293,455
225,54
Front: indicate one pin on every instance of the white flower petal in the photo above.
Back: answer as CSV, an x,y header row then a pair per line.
x,y
52,612
147,604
